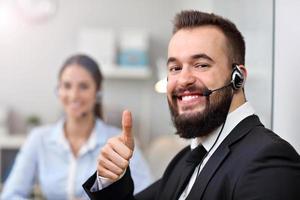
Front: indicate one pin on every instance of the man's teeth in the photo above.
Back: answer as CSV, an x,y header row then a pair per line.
x,y
187,98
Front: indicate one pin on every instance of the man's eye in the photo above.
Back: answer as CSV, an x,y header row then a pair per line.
x,y
201,65
174,68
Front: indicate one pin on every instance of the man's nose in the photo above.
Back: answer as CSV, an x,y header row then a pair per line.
x,y
186,77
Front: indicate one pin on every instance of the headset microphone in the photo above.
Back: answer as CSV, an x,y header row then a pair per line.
x,y
237,81
209,92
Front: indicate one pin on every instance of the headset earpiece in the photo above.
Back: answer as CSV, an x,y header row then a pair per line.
x,y
237,77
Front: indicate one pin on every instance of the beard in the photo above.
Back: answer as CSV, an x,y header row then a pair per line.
x,y
201,123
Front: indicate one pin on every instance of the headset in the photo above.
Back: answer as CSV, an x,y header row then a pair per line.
x,y
237,81
237,77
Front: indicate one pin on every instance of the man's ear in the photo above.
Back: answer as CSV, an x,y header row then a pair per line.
x,y
244,71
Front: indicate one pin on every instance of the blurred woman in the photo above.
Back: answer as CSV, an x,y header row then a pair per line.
x,y
60,157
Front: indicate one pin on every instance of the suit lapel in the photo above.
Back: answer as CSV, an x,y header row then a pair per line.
x,y
177,180
172,176
184,176
220,154
207,173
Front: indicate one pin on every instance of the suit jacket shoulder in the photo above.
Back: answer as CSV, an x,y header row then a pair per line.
x,y
248,164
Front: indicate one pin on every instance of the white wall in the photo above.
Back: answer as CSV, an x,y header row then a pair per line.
x,y
287,70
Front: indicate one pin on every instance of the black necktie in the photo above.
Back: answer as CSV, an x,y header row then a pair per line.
x,y
193,159
196,155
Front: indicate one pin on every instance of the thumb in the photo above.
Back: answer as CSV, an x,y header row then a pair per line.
x,y
126,129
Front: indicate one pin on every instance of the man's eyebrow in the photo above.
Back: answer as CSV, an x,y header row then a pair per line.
x,y
201,55
194,57
171,59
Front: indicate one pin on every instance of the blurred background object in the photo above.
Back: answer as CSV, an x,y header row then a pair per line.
x,y
3,120
161,85
32,121
161,150
16,122
37,11
133,50
99,43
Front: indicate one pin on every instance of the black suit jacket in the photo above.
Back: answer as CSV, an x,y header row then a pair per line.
x,y
252,163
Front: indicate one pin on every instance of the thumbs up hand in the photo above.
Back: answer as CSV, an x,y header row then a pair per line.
x,y
115,155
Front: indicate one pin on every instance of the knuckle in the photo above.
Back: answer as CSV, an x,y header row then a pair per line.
x,y
100,157
105,152
129,154
115,177
124,164
101,162
101,171
111,141
119,171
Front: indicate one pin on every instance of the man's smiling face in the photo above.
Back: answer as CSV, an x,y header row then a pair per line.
x,y
198,59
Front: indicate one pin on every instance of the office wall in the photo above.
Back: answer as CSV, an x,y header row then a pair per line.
x,y
287,70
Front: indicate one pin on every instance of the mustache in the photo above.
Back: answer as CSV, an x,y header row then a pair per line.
x,y
191,88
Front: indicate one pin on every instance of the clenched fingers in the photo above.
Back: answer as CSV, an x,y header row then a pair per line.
x,y
108,169
108,152
117,144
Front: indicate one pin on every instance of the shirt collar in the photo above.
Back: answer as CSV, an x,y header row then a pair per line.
x,y
97,137
232,120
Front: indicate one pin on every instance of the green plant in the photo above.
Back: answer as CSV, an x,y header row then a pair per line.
x,y
33,120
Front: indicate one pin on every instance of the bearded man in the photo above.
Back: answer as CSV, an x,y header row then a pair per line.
x,y
232,156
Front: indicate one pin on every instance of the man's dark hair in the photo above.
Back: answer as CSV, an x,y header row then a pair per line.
x,y
189,19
